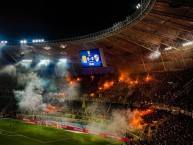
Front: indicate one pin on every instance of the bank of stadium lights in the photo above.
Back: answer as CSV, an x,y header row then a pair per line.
x,y
138,6
27,60
3,42
44,61
37,40
63,60
23,41
168,48
187,43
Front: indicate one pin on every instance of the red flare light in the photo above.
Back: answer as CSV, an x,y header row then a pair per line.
x,y
78,79
62,95
107,85
92,95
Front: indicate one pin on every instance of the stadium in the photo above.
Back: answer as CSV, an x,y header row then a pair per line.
x,y
130,83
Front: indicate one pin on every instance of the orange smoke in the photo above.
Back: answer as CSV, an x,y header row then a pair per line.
x,y
136,121
68,78
78,79
148,78
146,112
92,95
92,77
124,77
62,95
107,85
50,108
71,83
100,88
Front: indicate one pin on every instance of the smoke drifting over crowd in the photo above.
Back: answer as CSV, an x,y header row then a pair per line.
x,y
10,70
37,93
154,55
46,95
30,99
123,121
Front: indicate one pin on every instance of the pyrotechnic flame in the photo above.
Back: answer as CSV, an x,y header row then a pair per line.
x,y
92,95
62,95
108,84
92,77
50,108
71,83
124,77
78,79
136,121
68,78
148,78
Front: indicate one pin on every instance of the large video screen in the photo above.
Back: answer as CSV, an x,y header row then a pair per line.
x,y
92,58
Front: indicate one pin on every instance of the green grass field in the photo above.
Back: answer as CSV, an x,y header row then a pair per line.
x,y
22,133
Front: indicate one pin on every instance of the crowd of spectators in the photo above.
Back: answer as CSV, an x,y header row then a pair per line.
x,y
175,130
172,88
169,88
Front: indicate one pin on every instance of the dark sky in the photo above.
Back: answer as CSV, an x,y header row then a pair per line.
x,y
57,19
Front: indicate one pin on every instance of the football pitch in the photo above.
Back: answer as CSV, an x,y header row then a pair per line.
x,y
15,132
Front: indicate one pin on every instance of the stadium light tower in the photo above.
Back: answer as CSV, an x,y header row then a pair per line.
x,y
38,40
63,60
4,42
138,6
44,61
187,43
23,42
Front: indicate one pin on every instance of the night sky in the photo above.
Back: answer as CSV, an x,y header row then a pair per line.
x,y
57,19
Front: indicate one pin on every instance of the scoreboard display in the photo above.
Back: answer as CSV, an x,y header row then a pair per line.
x,y
92,58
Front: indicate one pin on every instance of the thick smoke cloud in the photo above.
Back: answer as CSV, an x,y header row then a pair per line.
x,y
30,99
154,55
10,70
122,121
38,92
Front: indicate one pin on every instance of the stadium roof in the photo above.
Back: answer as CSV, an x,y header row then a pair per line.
x,y
158,26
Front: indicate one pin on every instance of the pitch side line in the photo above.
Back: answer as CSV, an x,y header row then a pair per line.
x,y
24,136
58,140
16,134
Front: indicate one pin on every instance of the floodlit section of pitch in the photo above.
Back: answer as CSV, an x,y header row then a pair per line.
x,y
14,132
